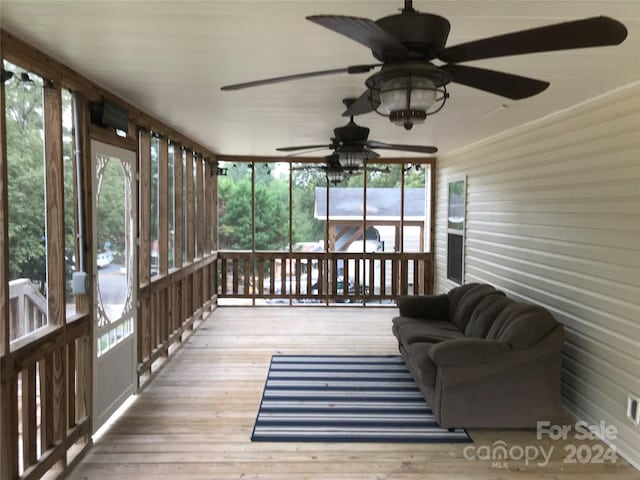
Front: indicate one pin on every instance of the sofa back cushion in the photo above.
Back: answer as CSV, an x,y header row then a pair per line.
x,y
521,325
485,313
463,300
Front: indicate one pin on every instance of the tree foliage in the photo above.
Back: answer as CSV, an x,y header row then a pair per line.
x,y
24,115
25,163
272,202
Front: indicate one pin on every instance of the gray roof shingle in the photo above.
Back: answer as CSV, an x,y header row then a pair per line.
x,y
381,203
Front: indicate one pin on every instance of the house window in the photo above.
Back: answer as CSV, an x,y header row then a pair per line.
x,y
455,229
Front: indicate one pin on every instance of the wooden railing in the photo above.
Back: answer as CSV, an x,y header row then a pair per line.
x,y
170,306
27,308
323,277
50,400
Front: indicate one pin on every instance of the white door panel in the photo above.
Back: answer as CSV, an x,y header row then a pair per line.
x,y
114,233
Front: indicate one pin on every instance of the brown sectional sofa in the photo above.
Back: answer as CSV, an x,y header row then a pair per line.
x,y
481,359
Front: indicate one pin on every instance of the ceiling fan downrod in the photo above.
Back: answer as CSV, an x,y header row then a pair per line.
x,y
408,6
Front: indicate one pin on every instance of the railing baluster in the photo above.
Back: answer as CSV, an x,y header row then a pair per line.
x,y
371,290
246,268
283,277
309,276
29,417
235,276
321,276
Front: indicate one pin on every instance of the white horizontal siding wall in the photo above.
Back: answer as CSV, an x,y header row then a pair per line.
x,y
553,218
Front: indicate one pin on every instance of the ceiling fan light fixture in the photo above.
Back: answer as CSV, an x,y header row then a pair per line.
x,y
335,175
351,160
408,93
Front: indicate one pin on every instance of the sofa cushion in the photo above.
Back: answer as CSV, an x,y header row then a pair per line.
x,y
463,301
433,307
413,332
468,351
422,365
485,313
521,325
400,321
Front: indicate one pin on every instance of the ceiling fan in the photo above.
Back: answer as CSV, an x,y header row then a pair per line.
x,y
409,87
335,172
352,148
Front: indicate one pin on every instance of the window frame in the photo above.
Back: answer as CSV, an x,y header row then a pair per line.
x,y
459,232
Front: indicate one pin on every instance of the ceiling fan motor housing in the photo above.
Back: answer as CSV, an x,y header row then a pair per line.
x,y
423,34
351,133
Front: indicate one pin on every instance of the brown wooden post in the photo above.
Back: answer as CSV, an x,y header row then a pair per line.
x,y
163,206
190,204
214,212
179,212
162,316
208,211
8,405
55,366
144,244
200,204
84,303
144,209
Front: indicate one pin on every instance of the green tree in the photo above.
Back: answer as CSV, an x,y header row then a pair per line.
x,y
111,208
272,215
306,228
25,162
234,231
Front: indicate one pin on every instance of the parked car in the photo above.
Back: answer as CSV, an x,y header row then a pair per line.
x,y
104,259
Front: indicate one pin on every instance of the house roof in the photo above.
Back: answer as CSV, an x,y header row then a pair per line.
x,y
382,203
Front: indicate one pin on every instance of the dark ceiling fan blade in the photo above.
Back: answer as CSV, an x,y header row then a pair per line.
x,y
589,32
299,76
405,148
365,32
371,154
303,147
308,167
507,85
367,102
376,169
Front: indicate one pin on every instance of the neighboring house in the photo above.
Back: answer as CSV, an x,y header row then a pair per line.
x,y
346,213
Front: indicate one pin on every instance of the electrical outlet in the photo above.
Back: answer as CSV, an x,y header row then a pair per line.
x,y
79,283
633,409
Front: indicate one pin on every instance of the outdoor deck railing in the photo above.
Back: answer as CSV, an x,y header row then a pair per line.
x,y
323,277
28,308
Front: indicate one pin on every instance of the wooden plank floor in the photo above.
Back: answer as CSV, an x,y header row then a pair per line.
x,y
194,421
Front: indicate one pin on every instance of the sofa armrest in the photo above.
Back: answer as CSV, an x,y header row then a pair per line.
x,y
433,307
468,351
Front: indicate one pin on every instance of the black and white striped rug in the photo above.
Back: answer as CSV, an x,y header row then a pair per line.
x,y
345,399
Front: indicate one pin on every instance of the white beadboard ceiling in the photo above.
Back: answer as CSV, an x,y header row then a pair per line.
x,y
170,58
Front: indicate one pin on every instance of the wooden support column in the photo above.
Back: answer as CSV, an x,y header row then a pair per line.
x,y
163,206
144,241
84,303
190,204
56,364
214,212
179,212
200,204
144,209
209,205
8,404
